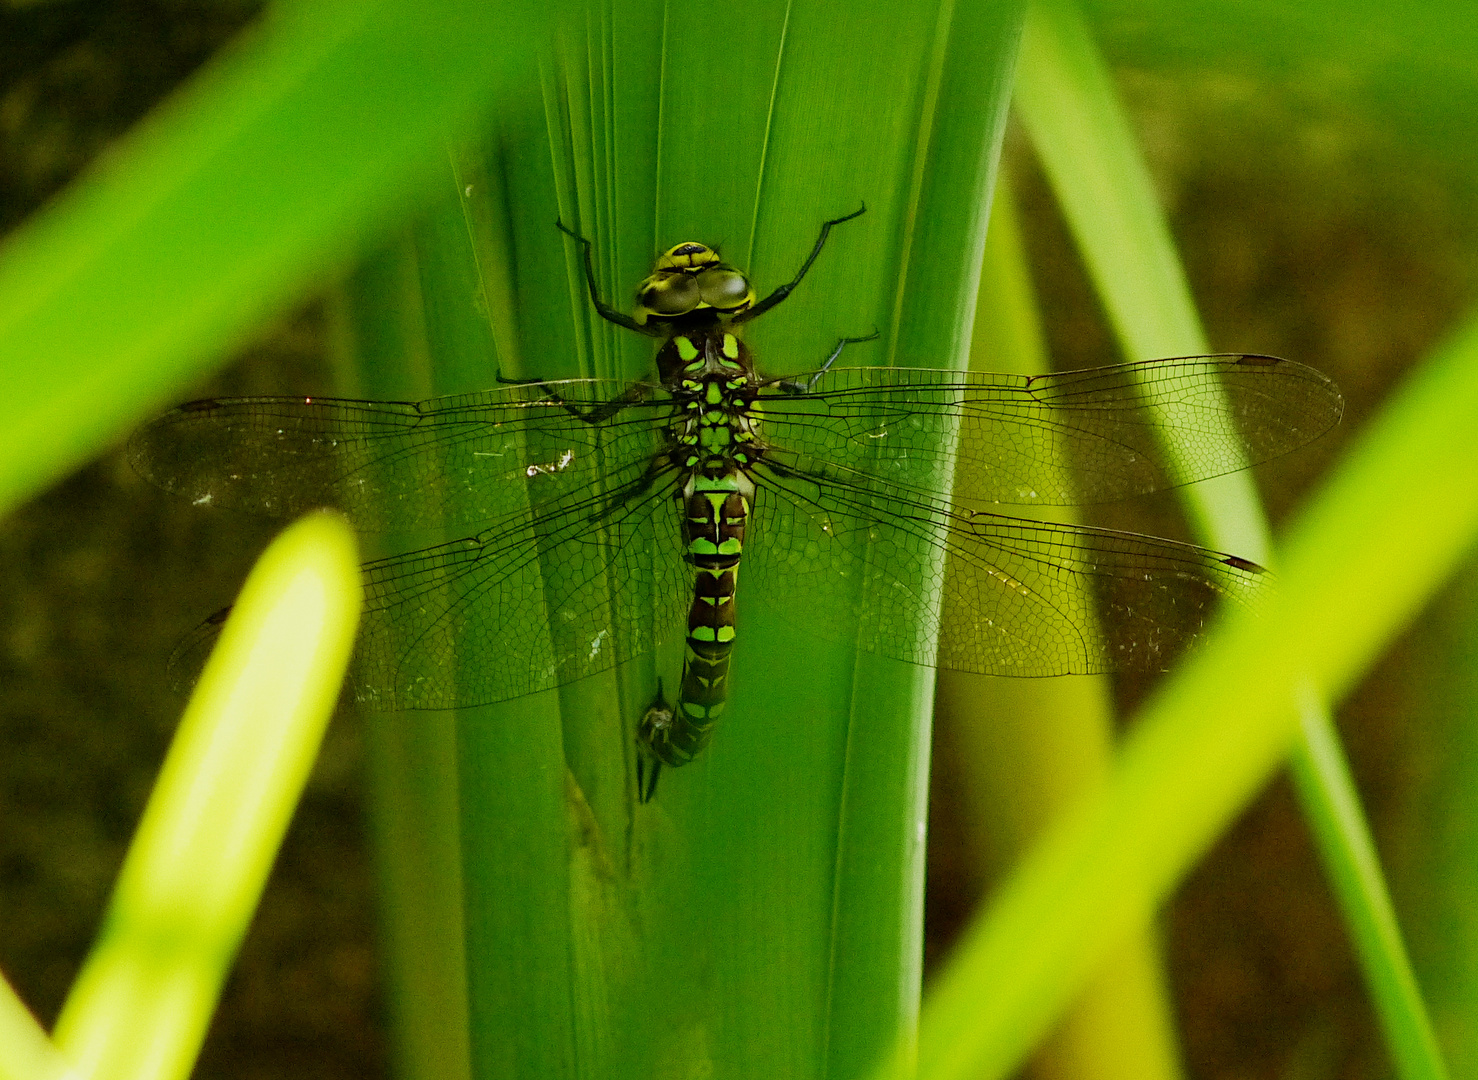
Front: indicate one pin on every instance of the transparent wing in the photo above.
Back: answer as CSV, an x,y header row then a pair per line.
x,y
574,584
449,462
580,565
1060,439
1022,598
578,568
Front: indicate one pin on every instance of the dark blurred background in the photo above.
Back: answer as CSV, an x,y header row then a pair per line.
x,y
1317,223
99,578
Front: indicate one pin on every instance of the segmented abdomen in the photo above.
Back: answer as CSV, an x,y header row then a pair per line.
x,y
715,512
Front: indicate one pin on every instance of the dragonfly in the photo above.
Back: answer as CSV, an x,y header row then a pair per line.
x,y
602,518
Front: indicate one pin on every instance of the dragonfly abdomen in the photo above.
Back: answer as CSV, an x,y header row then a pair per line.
x,y
715,512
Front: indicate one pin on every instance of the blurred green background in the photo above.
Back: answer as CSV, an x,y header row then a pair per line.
x,y
1321,188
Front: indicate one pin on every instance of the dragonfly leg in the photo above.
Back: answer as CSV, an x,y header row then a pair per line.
x,y
643,483
802,386
505,380
606,312
597,415
785,290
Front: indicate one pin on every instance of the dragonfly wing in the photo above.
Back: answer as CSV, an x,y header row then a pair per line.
x,y
583,576
1035,598
1019,597
567,590
1059,439
391,466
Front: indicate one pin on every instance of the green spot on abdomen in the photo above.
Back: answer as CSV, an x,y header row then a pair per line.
x,y
720,483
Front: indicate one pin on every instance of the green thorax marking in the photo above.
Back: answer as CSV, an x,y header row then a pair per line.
x,y
710,375
700,351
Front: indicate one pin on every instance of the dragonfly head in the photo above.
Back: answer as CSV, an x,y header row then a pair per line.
x,y
690,284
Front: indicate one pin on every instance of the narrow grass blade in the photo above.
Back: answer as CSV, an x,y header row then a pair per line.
x,y
25,1051
1321,775
191,880
382,351
1213,734
1026,749
1438,811
1071,111
471,800
227,203
1078,128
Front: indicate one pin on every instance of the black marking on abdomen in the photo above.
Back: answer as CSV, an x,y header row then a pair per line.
x,y
715,512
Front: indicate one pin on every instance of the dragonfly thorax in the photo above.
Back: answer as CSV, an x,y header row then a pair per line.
x,y
713,390
698,352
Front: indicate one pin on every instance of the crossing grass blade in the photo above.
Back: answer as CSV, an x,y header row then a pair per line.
x,y
1084,141
1020,751
224,206
237,195
1212,735
26,1053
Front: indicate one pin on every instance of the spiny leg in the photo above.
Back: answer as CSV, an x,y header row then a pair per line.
x,y
607,409
597,414
785,290
606,312
634,489
803,386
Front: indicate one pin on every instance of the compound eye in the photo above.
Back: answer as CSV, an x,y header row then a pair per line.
x,y
723,287
676,294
